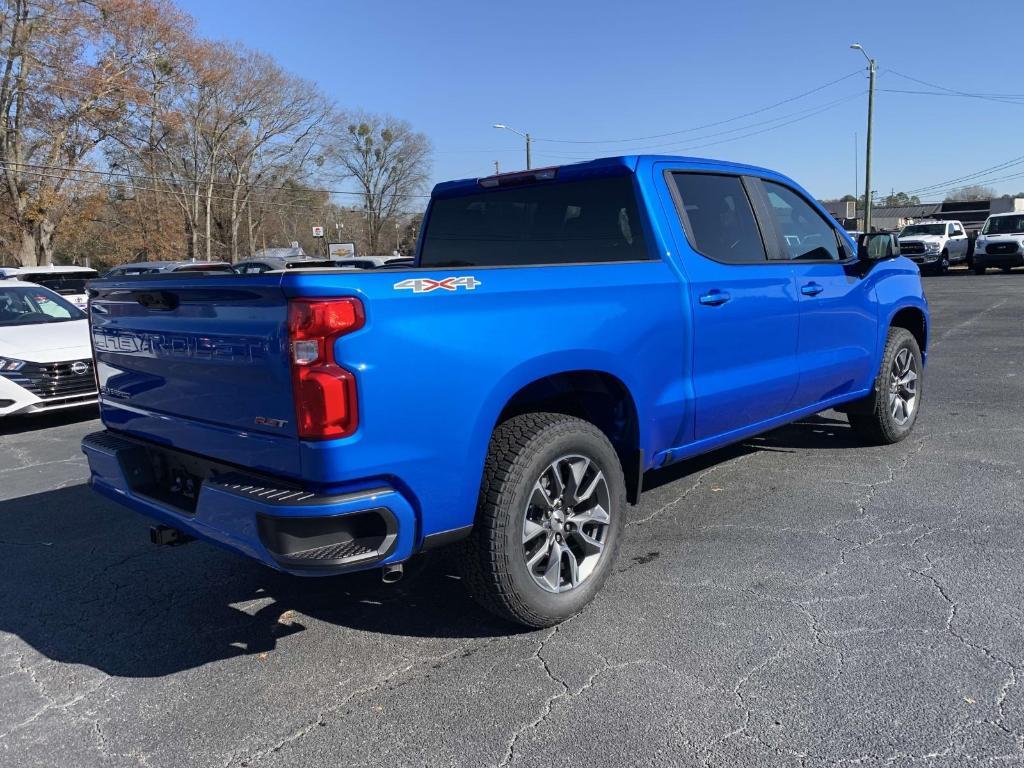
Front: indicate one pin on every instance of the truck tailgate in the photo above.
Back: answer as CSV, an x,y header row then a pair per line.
x,y
199,363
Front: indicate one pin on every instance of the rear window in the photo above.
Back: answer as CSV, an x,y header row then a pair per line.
x,y
563,223
65,284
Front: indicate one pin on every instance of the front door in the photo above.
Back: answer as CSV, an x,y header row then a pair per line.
x,y
838,317
745,310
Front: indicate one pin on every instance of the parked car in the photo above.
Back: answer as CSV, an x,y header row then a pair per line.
x,y
934,245
45,357
258,266
373,262
68,281
160,267
1000,243
563,331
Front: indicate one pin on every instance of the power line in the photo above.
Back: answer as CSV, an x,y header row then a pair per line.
x,y
136,187
970,176
706,125
1006,100
200,182
797,117
1002,98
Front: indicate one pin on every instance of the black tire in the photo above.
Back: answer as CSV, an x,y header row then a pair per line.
x,y
943,266
492,560
873,421
1007,270
978,269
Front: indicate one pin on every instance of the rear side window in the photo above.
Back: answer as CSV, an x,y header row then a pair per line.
x,y
805,234
718,218
561,223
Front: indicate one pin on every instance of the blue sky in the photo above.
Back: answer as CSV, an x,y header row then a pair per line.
x,y
599,70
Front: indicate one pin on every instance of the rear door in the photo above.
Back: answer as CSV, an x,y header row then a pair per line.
x,y
745,309
838,317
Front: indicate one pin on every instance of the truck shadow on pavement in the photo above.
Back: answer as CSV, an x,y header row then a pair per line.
x,y
83,585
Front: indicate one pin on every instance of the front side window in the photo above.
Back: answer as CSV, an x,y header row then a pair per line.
x,y
31,305
805,234
596,220
718,218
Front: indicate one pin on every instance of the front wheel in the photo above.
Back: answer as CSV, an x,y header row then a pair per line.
x,y
943,267
891,410
548,521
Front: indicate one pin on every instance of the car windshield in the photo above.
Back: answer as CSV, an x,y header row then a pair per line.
x,y
923,229
65,284
33,305
1003,225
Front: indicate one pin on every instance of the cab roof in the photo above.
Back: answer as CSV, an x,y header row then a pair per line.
x,y
603,166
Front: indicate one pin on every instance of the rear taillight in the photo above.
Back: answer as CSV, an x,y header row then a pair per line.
x,y
325,393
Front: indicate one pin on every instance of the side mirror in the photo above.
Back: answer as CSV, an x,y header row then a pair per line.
x,y
875,246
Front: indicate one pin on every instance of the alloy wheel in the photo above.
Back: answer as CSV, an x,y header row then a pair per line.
x,y
566,523
903,386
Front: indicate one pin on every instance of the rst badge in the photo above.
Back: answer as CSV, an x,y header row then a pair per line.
x,y
426,285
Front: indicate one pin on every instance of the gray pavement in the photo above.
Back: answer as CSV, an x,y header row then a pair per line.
x,y
796,600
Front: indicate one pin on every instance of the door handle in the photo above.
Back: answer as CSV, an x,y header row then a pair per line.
x,y
811,289
714,298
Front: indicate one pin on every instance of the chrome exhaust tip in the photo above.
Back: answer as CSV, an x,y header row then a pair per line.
x,y
391,574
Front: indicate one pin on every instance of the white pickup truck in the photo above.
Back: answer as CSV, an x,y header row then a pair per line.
x,y
934,245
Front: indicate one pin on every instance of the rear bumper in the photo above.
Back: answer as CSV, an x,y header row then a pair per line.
x,y
282,526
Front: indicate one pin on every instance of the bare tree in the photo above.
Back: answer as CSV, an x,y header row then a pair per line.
x,y
386,159
972,192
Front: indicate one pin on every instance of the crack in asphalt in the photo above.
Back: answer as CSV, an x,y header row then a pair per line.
x,y
697,484
563,696
321,720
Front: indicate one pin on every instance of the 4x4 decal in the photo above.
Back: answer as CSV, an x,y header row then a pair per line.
x,y
426,285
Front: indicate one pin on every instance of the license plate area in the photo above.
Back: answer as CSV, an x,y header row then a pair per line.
x,y
168,477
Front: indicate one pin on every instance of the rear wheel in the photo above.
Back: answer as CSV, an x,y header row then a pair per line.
x,y
891,410
549,519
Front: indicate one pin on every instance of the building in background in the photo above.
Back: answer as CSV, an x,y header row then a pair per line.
x,y
971,214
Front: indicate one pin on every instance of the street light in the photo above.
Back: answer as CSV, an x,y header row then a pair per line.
x,y
518,133
872,70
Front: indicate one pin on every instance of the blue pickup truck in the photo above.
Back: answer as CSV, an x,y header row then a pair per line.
x,y
562,332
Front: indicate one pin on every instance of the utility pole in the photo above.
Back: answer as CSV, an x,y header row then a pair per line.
x,y
497,168
872,70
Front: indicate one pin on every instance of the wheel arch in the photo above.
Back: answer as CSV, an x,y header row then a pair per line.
x,y
596,396
914,320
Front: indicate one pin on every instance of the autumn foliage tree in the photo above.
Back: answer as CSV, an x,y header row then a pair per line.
x,y
127,136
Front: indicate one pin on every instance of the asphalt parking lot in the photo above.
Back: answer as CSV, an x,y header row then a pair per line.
x,y
796,600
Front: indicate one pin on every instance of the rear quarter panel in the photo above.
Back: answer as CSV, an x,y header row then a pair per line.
x,y
434,370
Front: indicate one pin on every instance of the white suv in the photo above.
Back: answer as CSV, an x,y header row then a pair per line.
x,y
1000,243
934,245
45,357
